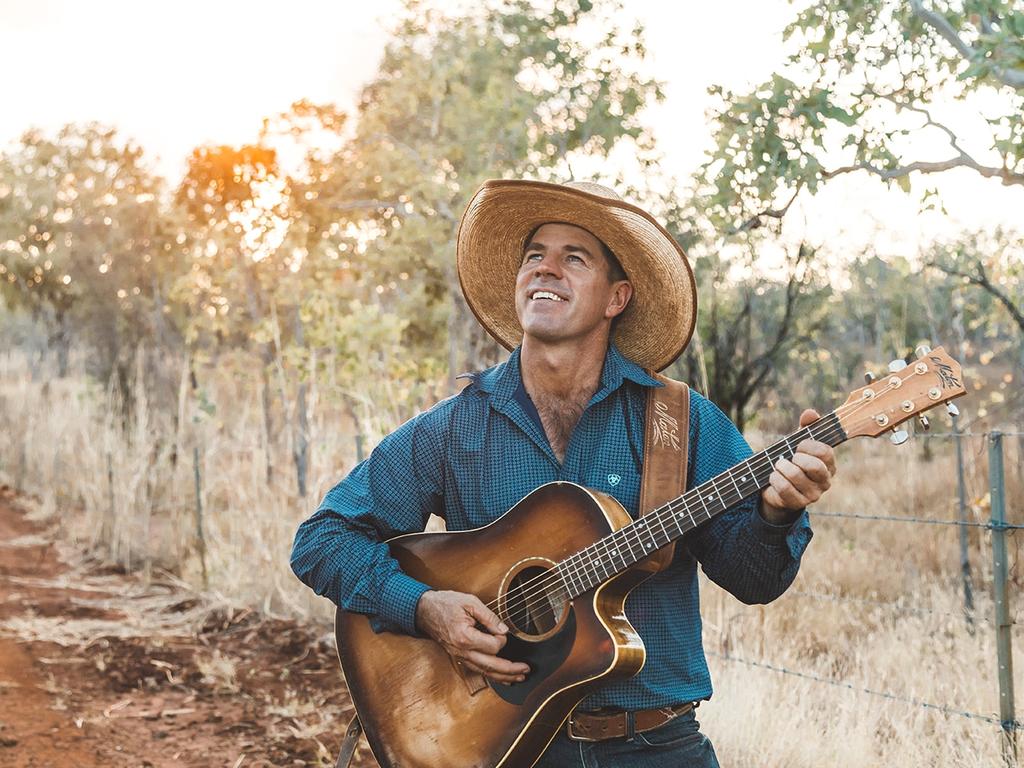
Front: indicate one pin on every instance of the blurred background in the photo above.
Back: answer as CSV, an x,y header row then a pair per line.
x,y
227,269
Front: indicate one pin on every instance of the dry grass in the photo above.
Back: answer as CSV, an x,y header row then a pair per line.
x,y
877,604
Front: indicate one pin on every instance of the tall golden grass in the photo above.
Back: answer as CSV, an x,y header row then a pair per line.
x,y
877,605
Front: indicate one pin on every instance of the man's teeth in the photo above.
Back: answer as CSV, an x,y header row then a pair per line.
x,y
547,295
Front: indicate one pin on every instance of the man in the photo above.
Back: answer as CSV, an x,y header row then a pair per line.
x,y
587,291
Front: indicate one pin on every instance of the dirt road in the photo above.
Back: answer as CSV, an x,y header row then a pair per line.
x,y
99,669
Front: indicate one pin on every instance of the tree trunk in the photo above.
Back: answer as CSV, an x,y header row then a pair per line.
x,y
61,340
268,426
470,347
300,446
300,443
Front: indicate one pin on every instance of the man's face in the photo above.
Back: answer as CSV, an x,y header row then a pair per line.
x,y
563,290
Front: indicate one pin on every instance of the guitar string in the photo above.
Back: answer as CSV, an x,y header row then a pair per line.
x,y
596,555
584,562
580,569
578,564
673,510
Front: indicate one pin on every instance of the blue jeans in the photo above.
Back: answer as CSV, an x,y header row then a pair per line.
x,y
677,744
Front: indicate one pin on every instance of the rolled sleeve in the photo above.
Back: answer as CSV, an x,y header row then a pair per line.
x,y
795,536
341,552
753,559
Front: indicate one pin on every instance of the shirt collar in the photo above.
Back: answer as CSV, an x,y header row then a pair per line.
x,y
502,380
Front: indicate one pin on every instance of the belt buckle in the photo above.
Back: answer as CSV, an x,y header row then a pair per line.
x,y
572,735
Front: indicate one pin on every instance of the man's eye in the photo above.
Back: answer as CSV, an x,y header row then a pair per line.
x,y
574,257
532,256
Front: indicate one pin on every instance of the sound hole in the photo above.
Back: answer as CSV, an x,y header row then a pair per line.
x,y
535,603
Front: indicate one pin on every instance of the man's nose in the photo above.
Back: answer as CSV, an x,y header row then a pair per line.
x,y
548,265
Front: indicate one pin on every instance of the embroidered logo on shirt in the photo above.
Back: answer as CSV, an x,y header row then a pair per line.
x,y
666,427
614,479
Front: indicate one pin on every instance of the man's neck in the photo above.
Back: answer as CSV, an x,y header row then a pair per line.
x,y
562,371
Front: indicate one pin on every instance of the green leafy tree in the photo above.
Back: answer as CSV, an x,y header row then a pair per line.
x,y
750,326
857,92
85,246
513,89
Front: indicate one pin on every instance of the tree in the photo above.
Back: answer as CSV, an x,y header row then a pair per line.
x,y
750,326
856,93
993,262
514,88
86,246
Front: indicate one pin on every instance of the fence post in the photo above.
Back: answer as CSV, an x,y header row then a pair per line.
x,y
200,535
997,495
965,561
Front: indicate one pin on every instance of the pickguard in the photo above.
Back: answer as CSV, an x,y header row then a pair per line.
x,y
544,658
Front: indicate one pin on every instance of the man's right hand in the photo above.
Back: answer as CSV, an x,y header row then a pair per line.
x,y
470,632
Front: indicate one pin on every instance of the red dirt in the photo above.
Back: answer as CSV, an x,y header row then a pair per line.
x,y
238,690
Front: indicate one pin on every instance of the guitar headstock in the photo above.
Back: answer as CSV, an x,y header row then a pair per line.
x,y
901,394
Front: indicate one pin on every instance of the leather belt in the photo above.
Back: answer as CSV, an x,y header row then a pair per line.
x,y
598,726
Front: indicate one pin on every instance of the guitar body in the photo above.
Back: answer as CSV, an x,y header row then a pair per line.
x,y
420,710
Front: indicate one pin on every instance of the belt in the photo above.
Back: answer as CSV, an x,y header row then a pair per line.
x,y
598,726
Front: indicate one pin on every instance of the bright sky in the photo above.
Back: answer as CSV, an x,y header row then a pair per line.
x,y
176,75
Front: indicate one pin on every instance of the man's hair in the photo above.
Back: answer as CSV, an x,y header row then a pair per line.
x,y
615,270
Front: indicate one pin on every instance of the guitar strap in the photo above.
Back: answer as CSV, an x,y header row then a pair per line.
x,y
666,444
348,746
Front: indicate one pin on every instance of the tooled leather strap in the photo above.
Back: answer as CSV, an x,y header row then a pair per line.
x,y
666,438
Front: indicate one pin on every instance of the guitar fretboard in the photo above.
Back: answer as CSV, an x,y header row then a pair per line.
x,y
625,547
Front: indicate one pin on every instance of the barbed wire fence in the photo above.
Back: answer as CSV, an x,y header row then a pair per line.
x,y
1000,622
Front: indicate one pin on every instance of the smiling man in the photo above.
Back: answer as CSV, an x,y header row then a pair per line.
x,y
591,295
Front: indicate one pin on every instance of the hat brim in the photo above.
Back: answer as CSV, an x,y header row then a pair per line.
x,y
659,321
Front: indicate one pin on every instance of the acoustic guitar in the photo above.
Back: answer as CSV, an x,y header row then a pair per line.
x,y
557,568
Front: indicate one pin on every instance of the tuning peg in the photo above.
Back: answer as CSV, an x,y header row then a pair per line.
x,y
952,410
925,424
869,377
899,437
922,350
897,365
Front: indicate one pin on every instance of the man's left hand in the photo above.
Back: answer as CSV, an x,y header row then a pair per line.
x,y
799,481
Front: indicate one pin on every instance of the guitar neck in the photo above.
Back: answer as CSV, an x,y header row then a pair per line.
x,y
625,547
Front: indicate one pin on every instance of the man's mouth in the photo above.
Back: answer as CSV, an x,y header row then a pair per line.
x,y
536,295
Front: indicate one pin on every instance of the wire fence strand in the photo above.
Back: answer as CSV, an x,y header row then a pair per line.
x,y
895,607
924,520
947,710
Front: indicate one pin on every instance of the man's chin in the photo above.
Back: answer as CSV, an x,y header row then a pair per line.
x,y
546,333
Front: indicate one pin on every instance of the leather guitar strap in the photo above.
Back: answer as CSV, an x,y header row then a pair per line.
x,y
666,438
348,746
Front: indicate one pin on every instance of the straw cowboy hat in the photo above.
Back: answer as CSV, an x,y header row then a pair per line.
x,y
657,324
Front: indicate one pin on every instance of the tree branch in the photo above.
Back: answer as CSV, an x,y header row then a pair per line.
x,y
1011,77
981,279
754,222
963,159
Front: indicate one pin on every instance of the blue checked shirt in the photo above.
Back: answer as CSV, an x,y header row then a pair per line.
x,y
471,457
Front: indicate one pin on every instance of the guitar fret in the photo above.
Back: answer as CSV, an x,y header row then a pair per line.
x,y
733,480
700,497
661,522
676,517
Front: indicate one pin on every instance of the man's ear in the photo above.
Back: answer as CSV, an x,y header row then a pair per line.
x,y
622,292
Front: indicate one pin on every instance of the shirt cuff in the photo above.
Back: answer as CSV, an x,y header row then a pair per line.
x,y
794,536
399,598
